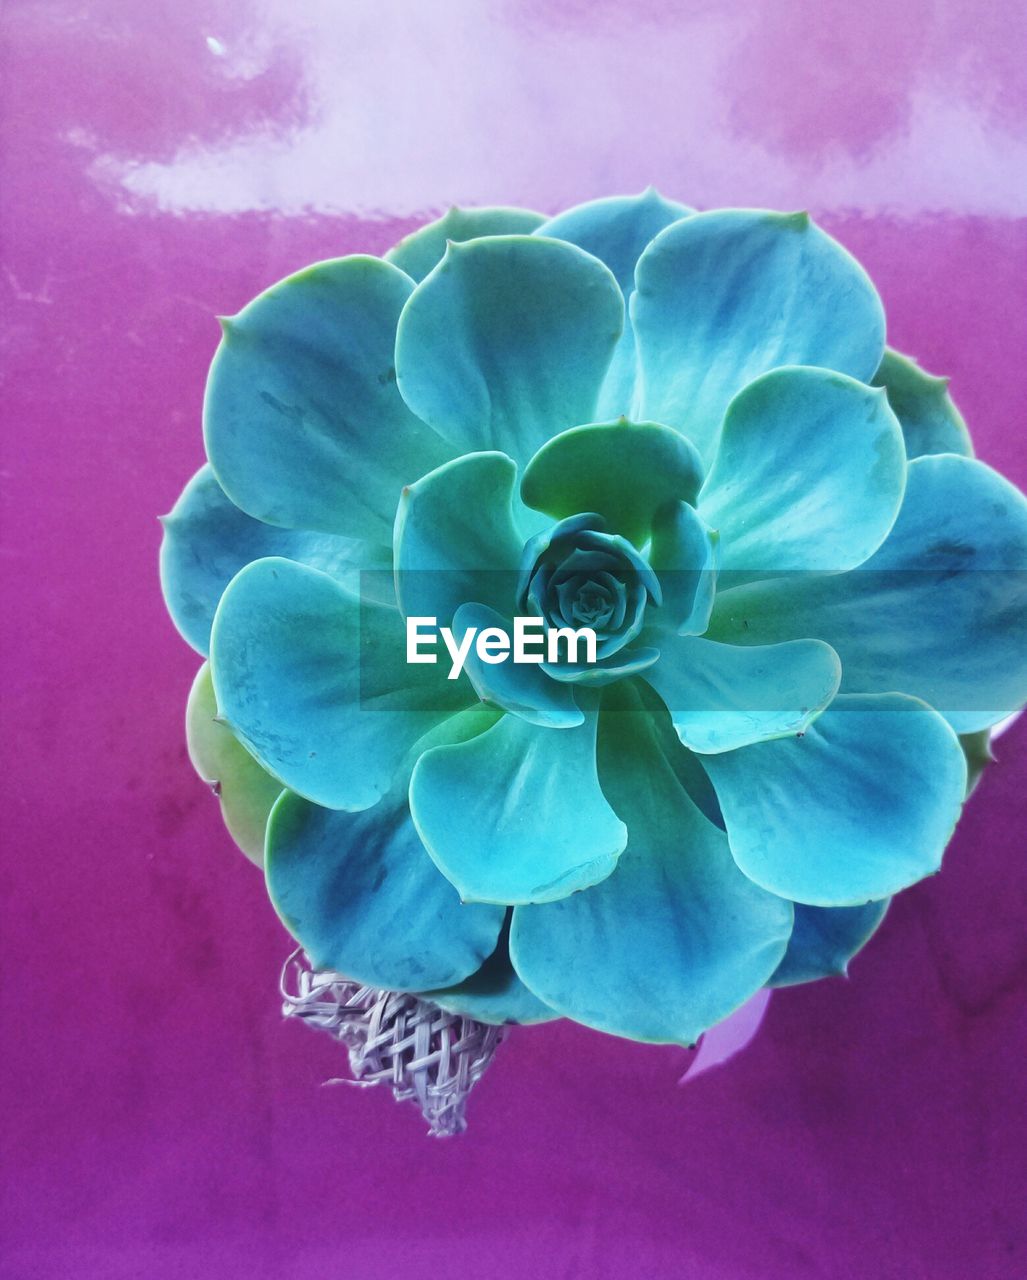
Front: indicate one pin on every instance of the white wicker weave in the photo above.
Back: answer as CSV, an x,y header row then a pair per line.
x,y
428,1056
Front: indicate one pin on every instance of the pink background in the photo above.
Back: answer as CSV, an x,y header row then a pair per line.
x,y
162,163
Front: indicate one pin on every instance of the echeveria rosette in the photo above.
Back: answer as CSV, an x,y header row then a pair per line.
x,y
682,430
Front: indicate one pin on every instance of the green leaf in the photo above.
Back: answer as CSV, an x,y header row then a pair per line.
x,y
246,791
622,470
977,749
930,421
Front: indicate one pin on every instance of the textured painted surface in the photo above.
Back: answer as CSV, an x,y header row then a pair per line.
x,y
163,163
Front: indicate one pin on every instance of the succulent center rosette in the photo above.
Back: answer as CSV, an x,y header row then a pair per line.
x,y
578,575
681,432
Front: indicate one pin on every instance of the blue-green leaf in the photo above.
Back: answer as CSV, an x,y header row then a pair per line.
x,y
495,993
207,540
930,421
317,686
517,815
506,342
623,663
456,540
809,474
521,688
676,938
686,556
824,940
617,230
361,894
859,807
723,696
303,423
940,611
725,296
420,252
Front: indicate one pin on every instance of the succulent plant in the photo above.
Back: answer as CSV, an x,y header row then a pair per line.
x,y
682,431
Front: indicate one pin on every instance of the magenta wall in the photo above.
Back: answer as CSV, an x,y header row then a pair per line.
x,y
162,163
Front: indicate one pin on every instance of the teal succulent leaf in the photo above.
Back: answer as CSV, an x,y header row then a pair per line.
x,y
315,683
940,611
507,341
420,252
551,545
207,540
246,791
622,470
874,788
978,752
523,689
341,881
824,940
723,696
677,436
685,552
494,994
930,421
302,419
688,766
455,538
809,474
676,938
632,661
722,297
517,814
617,230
